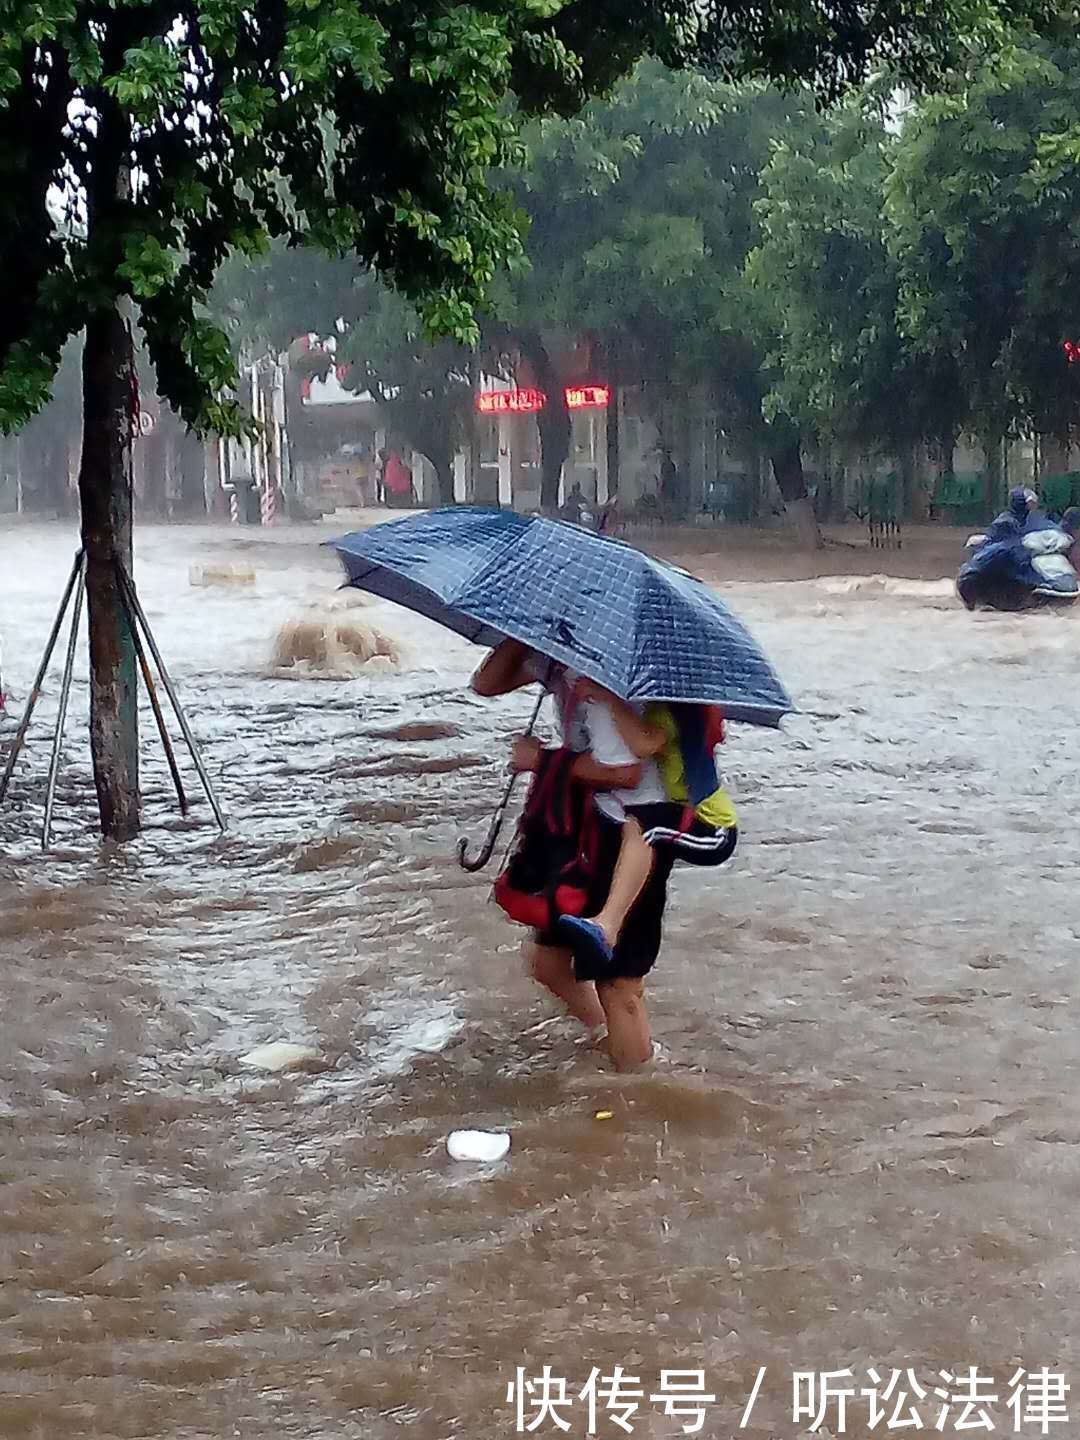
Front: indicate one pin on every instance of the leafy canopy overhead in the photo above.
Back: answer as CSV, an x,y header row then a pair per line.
x,y
142,141
827,285
984,210
643,213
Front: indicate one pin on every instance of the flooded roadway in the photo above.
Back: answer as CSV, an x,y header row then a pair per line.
x,y
861,1145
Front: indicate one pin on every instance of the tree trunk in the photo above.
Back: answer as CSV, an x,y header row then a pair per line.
x,y
485,490
553,421
749,452
946,452
942,454
611,374
791,482
190,463
56,497
1053,452
441,459
612,437
444,474
212,492
908,482
153,489
105,492
994,474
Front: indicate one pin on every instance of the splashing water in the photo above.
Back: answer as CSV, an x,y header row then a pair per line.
x,y
328,647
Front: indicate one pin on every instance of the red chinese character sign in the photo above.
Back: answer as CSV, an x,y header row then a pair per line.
x,y
528,402
1072,351
510,402
587,397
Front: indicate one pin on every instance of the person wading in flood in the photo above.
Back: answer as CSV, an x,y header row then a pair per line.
x,y
614,991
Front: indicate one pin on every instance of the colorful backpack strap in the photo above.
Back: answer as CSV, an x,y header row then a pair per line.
x,y
715,730
695,730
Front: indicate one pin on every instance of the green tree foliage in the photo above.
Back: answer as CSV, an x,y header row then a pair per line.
x,y
839,276
828,284
143,141
640,217
424,389
643,213
922,277
983,205
615,238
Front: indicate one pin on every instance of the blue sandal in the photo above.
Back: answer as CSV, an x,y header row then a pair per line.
x,y
586,936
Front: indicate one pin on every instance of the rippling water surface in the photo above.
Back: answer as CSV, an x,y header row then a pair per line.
x,y
861,1143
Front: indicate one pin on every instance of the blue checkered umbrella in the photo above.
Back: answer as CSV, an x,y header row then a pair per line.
x,y
637,626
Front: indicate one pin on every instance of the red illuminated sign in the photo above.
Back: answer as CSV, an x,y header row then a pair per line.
x,y
1072,351
510,402
587,397
527,402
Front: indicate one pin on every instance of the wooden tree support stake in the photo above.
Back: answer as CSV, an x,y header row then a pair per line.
x,y
151,690
77,574
134,608
137,621
61,715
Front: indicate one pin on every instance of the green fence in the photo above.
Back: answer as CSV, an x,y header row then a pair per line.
x,y
879,500
1058,492
960,499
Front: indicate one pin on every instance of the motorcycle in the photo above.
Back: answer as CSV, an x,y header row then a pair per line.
x,y
1019,571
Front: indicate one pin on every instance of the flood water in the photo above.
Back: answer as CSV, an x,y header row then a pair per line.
x,y
859,1147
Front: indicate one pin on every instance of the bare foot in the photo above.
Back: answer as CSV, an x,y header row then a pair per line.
x,y
594,1038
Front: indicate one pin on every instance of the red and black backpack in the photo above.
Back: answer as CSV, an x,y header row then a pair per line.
x,y
555,854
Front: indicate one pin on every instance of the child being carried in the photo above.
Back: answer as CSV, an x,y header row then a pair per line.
x,y
678,803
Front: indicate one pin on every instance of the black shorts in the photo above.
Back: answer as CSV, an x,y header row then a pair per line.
x,y
698,844
639,943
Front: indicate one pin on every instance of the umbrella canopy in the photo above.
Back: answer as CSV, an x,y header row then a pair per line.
x,y
642,628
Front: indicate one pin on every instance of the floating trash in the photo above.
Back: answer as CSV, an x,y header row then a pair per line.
x,y
203,576
483,1147
279,1056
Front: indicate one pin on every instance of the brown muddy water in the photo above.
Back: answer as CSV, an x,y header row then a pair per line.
x,y
860,1145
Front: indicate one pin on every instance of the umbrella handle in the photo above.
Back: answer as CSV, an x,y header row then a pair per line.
x,y
492,838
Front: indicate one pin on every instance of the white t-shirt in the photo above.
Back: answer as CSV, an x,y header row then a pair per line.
x,y
609,748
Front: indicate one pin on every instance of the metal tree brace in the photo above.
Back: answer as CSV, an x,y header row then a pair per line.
x,y
136,620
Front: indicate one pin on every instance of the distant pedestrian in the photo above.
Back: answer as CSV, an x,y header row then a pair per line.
x,y
575,507
397,484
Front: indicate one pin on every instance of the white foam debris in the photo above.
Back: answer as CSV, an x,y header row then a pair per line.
x,y
886,585
278,1057
483,1147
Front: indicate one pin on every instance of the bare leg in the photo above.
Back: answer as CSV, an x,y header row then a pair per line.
x,y
632,871
554,969
629,1040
